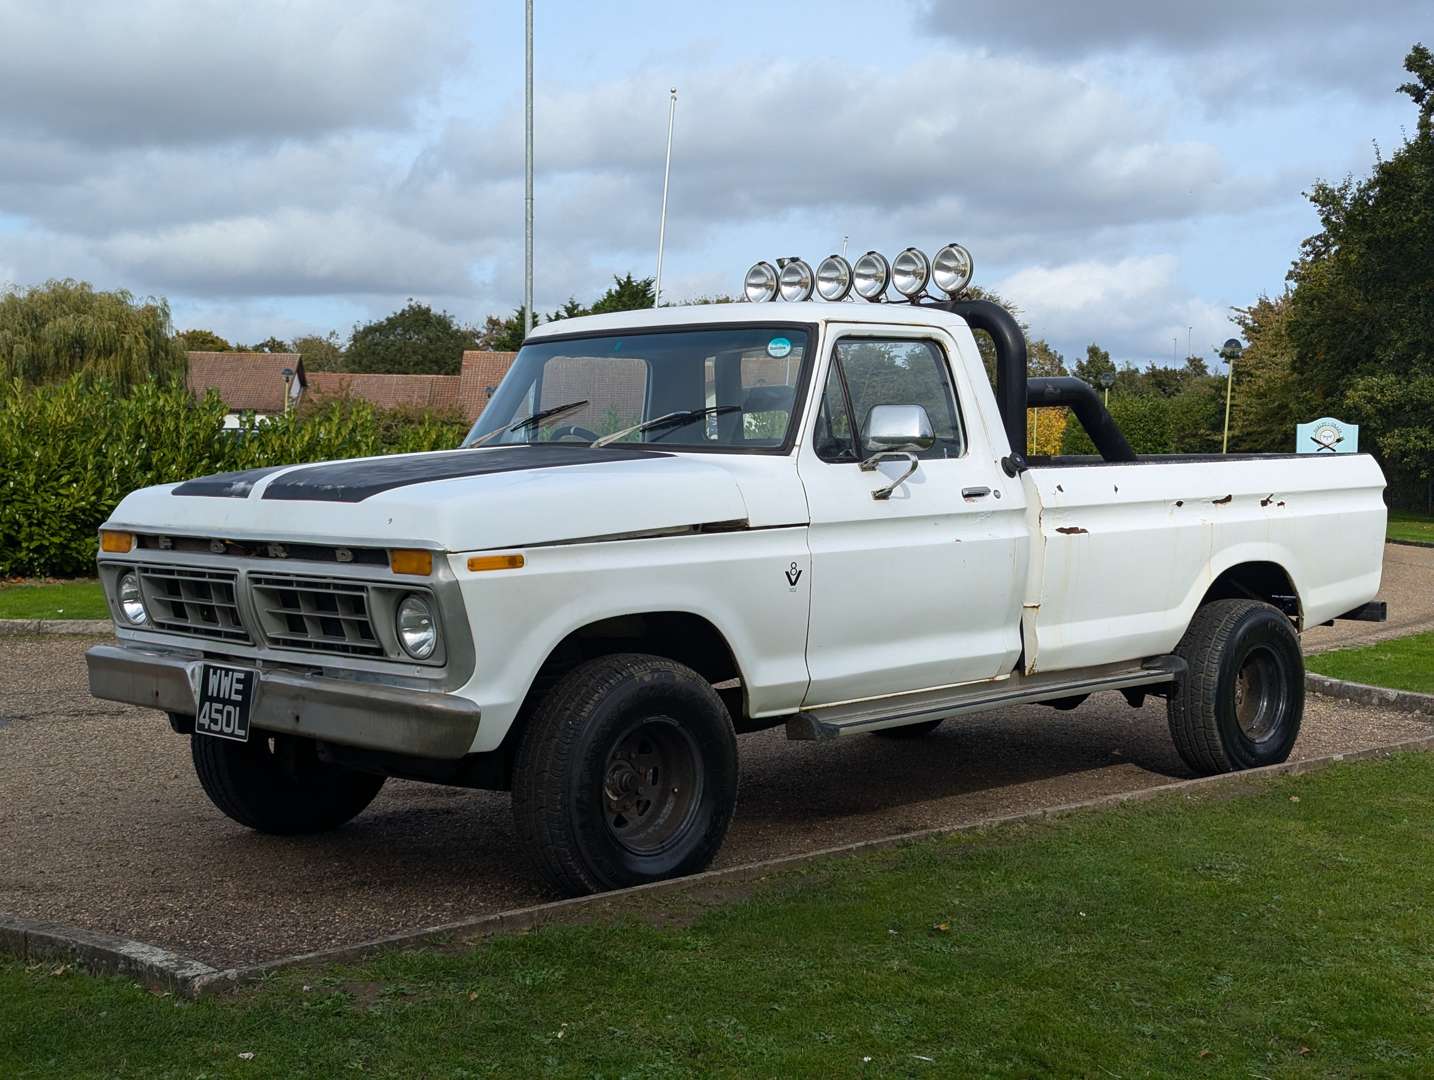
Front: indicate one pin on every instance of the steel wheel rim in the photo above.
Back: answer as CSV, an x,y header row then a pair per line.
x,y
1260,690
651,786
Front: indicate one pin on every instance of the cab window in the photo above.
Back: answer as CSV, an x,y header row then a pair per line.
x,y
867,372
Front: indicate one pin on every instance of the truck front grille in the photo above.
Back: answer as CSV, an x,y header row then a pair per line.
x,y
199,603
318,614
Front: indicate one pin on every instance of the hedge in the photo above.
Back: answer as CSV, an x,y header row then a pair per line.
x,y
70,451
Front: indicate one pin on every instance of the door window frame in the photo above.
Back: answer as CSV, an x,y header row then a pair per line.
x,y
930,335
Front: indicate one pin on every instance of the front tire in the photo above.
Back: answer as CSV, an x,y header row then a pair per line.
x,y
277,784
626,773
1240,702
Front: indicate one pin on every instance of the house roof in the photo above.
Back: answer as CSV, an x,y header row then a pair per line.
x,y
482,372
436,392
245,380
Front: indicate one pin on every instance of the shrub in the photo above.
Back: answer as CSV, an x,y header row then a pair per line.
x,y
70,451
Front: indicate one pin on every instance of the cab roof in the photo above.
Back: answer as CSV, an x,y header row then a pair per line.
x,y
742,312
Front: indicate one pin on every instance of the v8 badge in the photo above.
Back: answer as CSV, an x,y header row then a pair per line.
x,y
794,575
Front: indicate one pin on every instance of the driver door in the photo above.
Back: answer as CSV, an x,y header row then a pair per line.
x,y
921,589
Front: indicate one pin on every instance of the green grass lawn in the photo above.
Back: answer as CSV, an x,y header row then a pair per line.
x,y
1405,663
52,600
1284,933
1405,525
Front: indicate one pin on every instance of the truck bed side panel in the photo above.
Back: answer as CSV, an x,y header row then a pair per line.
x,y
1124,553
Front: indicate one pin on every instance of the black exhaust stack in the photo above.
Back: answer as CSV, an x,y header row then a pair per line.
x,y
1080,397
1015,391
1010,345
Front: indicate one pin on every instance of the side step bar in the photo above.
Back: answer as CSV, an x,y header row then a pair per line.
x,y
859,717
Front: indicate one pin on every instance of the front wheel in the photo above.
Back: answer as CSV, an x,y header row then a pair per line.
x,y
1241,699
626,773
277,784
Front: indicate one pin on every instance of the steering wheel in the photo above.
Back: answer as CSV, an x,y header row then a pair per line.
x,y
572,433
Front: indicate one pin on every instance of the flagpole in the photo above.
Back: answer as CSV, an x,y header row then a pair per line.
x,y
528,170
662,219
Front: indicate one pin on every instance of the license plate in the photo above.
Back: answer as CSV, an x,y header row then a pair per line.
x,y
226,697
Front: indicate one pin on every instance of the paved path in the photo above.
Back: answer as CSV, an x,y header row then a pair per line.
x,y
103,825
1408,586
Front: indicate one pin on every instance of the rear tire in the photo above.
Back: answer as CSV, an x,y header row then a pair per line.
x,y
277,784
626,773
1240,702
910,731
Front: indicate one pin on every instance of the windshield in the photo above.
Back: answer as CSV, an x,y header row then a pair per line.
x,y
738,383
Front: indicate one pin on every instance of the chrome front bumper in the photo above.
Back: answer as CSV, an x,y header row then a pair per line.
x,y
424,723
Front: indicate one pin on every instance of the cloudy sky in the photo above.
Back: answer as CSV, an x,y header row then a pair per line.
x,y
1122,171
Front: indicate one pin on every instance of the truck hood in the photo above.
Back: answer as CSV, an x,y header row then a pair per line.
x,y
455,500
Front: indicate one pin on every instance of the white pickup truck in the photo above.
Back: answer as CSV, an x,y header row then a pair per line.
x,y
670,527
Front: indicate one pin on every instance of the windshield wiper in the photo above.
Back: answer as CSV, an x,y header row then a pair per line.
x,y
528,421
672,419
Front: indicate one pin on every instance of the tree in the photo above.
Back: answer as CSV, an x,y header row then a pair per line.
x,y
1361,318
319,353
626,294
502,335
1095,363
271,345
202,341
63,328
414,339
1041,359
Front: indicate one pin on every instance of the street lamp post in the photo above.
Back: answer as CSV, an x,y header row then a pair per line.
x,y
1107,380
1229,352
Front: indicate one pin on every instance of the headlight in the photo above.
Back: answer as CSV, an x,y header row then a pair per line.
x,y
131,601
910,272
871,275
761,283
834,278
951,269
796,281
417,632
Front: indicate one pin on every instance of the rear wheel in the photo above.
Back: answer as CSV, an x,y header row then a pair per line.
x,y
277,784
626,773
1241,699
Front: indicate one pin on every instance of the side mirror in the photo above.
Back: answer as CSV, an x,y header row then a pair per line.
x,y
898,429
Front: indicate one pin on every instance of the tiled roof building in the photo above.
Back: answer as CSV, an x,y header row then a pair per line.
x,y
247,381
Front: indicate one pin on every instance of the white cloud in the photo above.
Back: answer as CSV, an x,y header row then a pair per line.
x,y
148,72
1133,306
294,252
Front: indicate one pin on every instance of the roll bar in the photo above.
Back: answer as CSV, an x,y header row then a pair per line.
x,y
1015,391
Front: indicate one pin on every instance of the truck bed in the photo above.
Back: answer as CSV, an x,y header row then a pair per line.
x,y
1123,552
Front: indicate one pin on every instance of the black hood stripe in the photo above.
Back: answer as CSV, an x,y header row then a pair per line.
x,y
355,481
226,485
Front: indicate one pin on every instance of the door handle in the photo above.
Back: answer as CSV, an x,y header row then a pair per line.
x,y
975,492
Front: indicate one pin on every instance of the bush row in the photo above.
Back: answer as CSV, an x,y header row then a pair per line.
x,y
70,451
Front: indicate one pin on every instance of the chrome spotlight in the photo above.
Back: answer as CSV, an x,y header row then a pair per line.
x,y
871,275
910,272
834,278
761,283
796,281
951,269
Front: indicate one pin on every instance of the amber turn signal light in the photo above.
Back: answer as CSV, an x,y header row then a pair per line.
x,y
405,561
495,562
117,542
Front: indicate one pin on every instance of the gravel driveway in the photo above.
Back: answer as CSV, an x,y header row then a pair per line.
x,y
103,825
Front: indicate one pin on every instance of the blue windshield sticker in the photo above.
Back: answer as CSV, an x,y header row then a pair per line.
x,y
778,347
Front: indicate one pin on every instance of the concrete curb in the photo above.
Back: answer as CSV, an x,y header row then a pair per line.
x,y
1370,695
33,941
155,966
1411,543
27,627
